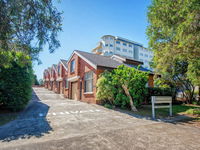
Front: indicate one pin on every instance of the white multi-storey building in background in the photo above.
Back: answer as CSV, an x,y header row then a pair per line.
x,y
110,45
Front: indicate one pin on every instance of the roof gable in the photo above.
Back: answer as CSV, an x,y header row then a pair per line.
x,y
64,63
55,68
98,60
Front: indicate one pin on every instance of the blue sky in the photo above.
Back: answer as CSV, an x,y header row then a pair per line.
x,y
85,21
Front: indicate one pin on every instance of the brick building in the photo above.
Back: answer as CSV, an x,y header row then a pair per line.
x,y
77,77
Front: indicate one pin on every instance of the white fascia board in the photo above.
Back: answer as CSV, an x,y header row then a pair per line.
x,y
123,59
63,65
86,60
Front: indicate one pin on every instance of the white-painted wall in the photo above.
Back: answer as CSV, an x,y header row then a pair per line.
x,y
117,45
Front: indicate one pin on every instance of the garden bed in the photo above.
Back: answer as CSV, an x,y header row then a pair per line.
x,y
181,113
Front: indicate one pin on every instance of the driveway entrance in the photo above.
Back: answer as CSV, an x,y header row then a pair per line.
x,y
55,123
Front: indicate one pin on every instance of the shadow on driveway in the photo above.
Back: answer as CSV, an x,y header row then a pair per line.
x,y
31,122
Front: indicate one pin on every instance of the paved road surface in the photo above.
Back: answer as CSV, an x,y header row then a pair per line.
x,y
54,123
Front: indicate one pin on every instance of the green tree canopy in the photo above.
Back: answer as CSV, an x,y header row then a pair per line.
x,y
28,25
174,34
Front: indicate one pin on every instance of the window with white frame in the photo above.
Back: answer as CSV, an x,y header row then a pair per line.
x,y
88,82
59,69
72,66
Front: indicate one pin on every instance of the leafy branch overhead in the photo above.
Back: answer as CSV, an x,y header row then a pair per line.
x,y
28,25
175,28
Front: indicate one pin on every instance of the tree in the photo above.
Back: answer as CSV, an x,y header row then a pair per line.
x,y
35,80
174,34
177,78
123,86
41,82
27,25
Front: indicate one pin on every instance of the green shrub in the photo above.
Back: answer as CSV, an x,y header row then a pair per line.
x,y
113,87
106,89
16,82
195,111
109,106
156,91
121,100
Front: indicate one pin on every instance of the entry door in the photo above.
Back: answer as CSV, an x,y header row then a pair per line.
x,y
74,90
60,87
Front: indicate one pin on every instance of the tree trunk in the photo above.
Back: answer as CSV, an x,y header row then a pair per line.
x,y
133,108
199,94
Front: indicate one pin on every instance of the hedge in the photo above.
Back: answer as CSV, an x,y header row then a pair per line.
x,y
155,91
15,84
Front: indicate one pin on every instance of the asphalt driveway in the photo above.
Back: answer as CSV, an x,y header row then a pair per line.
x,y
55,123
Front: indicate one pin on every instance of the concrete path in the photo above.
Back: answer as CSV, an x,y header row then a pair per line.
x,y
55,123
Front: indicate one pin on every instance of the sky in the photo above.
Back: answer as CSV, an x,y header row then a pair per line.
x,y
86,21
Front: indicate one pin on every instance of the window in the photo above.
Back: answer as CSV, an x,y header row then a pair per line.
x,y
124,50
124,44
72,66
141,54
59,69
106,45
146,55
88,82
130,45
111,45
130,51
66,84
117,48
118,42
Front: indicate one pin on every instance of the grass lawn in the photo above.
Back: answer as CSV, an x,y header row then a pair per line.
x,y
161,113
164,112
